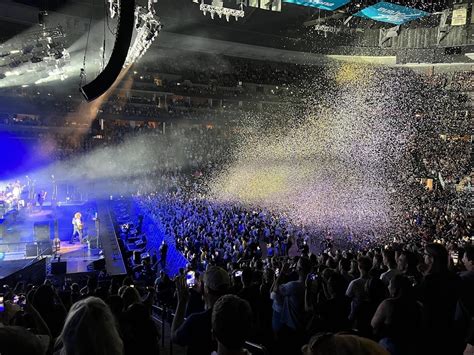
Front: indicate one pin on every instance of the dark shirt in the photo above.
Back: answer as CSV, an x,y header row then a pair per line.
x,y
334,314
195,333
251,294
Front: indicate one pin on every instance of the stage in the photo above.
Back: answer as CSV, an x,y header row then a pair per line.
x,y
28,234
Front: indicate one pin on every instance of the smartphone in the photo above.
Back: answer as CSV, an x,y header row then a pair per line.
x,y
190,279
455,256
132,285
313,277
238,273
2,305
16,299
277,272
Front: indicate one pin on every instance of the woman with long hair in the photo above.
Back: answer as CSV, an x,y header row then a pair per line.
x,y
90,329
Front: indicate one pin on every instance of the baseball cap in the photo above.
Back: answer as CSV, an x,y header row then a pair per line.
x,y
216,279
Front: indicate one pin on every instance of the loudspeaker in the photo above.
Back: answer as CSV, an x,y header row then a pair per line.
x,y
98,265
31,249
58,267
42,231
137,257
45,248
107,77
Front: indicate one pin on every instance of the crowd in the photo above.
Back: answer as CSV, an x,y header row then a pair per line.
x,y
254,274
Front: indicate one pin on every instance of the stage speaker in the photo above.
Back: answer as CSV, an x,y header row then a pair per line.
x,y
42,231
45,248
107,77
137,257
58,267
31,250
98,265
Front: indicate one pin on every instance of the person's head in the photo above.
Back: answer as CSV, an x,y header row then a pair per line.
x,y
75,288
303,267
216,284
468,258
43,298
389,258
344,265
90,329
400,286
246,277
377,260
231,323
364,264
341,344
130,296
436,258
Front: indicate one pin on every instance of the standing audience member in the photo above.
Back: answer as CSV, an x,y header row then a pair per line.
x,y
439,292
293,316
390,262
397,321
231,325
195,332
465,306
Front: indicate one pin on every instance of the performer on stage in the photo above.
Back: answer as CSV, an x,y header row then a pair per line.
x,y
41,197
77,223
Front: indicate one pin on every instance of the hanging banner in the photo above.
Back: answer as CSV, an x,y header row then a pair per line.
x,y
391,13
459,17
253,3
272,5
329,5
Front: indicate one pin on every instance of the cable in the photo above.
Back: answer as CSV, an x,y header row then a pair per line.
x,y
105,35
83,69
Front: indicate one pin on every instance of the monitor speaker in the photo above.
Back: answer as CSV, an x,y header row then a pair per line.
x,y
58,267
42,231
98,265
31,250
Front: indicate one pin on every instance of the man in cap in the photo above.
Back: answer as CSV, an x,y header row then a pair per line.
x,y
195,331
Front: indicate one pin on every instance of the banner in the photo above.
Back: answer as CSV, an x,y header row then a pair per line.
x,y
459,17
391,13
273,5
218,3
329,5
253,3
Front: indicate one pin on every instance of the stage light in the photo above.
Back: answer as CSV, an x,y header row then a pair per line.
x,y
148,27
221,11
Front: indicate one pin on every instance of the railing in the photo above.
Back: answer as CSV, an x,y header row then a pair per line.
x,y
167,314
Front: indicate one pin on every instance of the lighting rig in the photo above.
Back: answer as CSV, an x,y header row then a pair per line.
x,y
220,11
42,52
148,27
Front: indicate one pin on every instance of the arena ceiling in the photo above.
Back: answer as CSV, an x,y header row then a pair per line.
x,y
186,28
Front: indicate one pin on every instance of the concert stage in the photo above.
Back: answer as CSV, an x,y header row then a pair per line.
x,y
28,235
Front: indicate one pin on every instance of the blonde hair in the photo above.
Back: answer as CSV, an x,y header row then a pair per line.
x,y
342,344
77,215
90,329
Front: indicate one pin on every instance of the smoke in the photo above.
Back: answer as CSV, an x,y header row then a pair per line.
x,y
122,168
336,165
